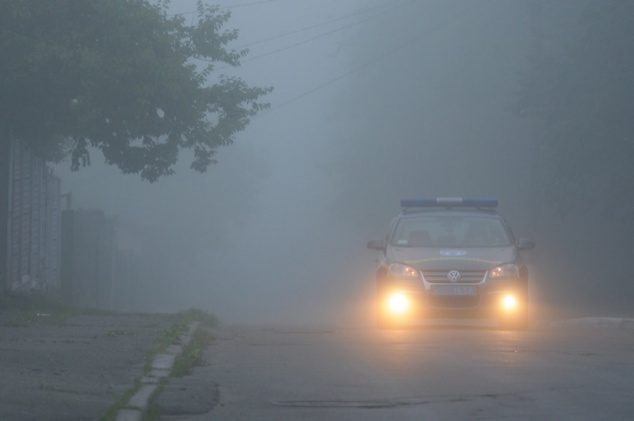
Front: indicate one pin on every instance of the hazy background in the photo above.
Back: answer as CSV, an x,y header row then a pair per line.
x,y
374,100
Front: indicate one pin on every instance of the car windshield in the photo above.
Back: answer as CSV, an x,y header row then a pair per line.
x,y
450,231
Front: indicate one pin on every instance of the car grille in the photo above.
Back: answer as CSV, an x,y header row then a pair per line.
x,y
466,276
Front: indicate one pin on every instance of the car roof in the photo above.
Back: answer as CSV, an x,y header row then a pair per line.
x,y
448,211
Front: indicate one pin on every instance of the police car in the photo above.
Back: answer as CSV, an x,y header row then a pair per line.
x,y
451,257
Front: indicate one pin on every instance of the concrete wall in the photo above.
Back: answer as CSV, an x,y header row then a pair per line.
x,y
32,221
45,249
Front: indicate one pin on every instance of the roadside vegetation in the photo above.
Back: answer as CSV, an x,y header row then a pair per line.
x,y
192,353
186,360
184,363
122,402
173,334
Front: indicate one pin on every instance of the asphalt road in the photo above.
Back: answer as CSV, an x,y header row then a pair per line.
x,y
432,373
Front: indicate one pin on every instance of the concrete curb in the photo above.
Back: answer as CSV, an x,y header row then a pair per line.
x,y
161,368
597,322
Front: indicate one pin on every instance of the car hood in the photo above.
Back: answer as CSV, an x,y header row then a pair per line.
x,y
452,258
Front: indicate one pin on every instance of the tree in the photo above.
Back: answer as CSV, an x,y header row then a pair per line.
x,y
581,98
122,76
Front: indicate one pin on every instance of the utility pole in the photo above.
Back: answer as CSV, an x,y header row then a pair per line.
x,y
5,168
536,34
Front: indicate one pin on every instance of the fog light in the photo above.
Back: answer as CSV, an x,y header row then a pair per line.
x,y
509,302
398,303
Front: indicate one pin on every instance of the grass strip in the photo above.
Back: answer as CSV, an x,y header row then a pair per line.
x,y
171,336
121,403
192,353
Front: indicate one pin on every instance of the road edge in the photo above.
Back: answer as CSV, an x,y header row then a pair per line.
x,y
597,322
161,367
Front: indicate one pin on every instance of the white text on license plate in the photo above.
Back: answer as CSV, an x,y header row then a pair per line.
x,y
453,290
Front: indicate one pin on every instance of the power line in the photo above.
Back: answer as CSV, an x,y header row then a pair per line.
x,y
359,68
255,3
307,28
247,4
368,63
297,44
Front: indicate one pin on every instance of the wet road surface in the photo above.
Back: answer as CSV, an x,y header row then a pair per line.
x,y
430,373
73,368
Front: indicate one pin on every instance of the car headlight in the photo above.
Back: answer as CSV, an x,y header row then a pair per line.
x,y
400,270
397,303
509,302
508,270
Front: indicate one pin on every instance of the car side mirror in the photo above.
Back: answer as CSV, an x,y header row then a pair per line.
x,y
525,244
376,245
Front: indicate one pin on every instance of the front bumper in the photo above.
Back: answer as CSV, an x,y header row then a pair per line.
x,y
492,298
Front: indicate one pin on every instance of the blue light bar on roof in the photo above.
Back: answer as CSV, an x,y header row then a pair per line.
x,y
463,202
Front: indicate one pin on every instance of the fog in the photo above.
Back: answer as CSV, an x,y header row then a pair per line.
x,y
373,100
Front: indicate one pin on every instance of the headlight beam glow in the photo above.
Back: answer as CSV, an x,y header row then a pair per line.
x,y
509,302
398,303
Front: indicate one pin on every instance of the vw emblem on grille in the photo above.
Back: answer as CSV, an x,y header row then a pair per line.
x,y
453,276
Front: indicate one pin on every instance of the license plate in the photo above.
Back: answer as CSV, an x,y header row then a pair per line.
x,y
453,290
